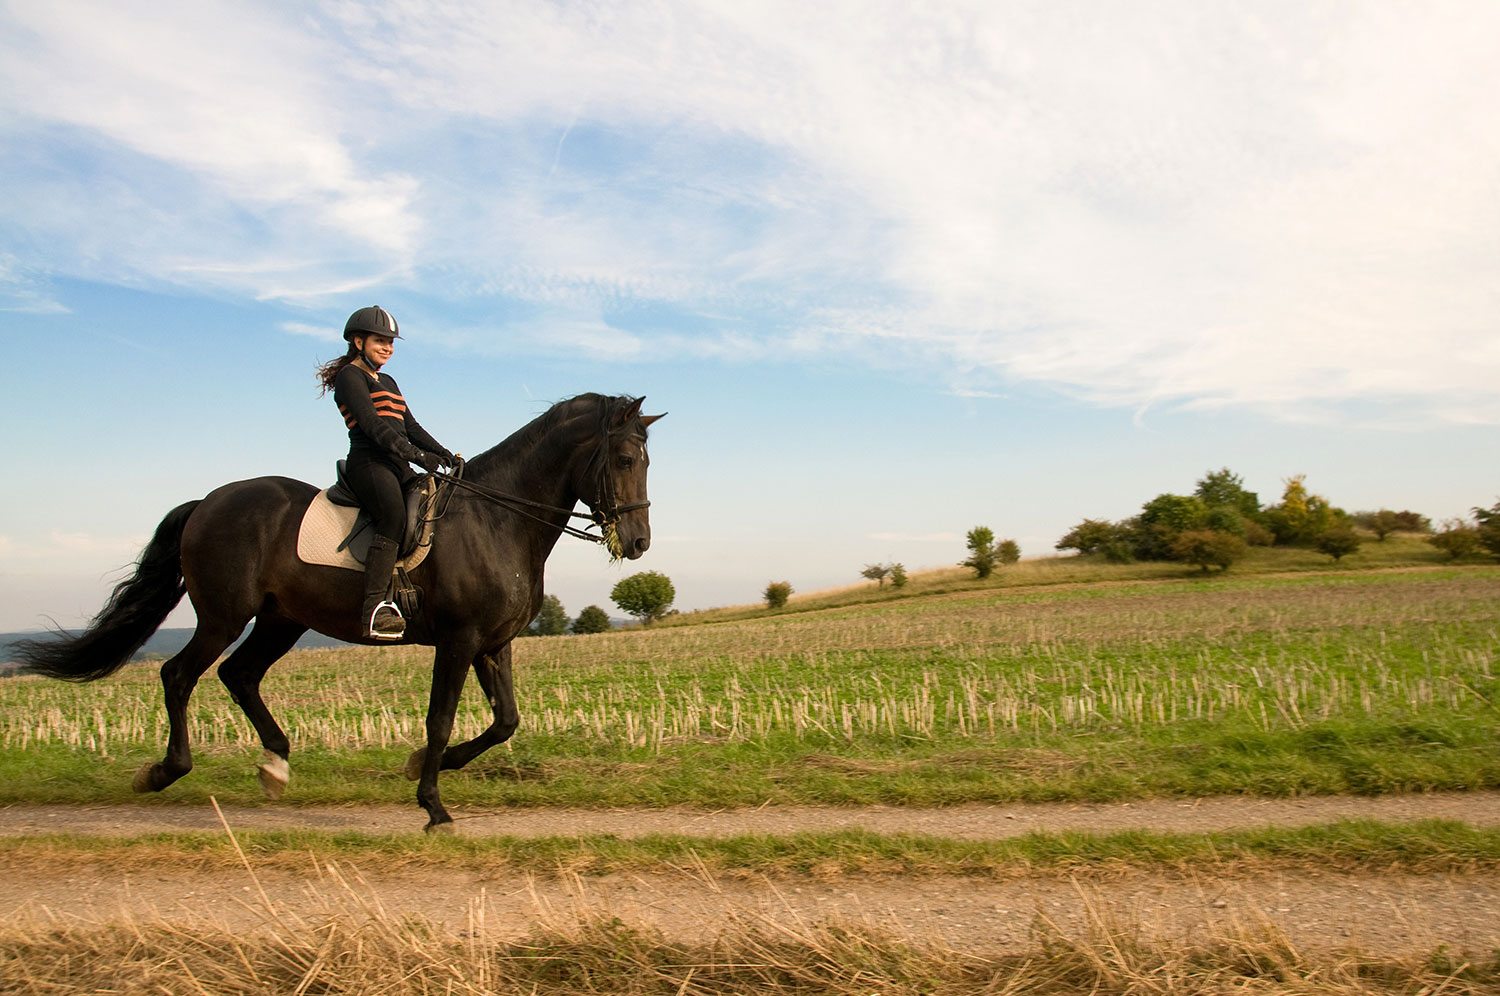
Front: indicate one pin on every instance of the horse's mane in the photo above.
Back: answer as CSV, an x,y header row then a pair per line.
x,y
527,437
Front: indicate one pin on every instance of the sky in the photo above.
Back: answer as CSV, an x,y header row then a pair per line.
x,y
894,269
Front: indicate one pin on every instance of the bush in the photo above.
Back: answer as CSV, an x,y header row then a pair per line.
x,y
1090,536
1007,551
898,576
981,541
1302,516
592,620
1175,513
1224,489
776,594
1257,534
1457,539
646,595
1208,548
1488,520
1338,541
552,620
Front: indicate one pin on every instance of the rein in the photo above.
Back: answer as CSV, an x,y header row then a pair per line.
x,y
598,517
604,511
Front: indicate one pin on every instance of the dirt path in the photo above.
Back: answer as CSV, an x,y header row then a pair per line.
x,y
967,822
1383,913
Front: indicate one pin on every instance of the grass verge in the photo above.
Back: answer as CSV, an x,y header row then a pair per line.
x,y
1345,846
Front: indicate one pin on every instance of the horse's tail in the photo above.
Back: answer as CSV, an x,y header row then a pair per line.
x,y
138,606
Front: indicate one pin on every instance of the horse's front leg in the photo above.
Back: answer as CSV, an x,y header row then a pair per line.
x,y
450,665
492,671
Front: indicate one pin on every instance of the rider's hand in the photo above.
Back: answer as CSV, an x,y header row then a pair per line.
x,y
449,460
428,461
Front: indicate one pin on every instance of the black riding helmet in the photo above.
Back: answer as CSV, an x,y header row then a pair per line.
x,y
373,319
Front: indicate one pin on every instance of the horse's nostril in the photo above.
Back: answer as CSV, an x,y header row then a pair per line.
x,y
642,544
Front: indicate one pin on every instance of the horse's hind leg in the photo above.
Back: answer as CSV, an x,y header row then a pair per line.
x,y
241,673
179,676
494,676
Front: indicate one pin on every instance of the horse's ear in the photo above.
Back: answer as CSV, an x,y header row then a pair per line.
x,y
629,412
648,419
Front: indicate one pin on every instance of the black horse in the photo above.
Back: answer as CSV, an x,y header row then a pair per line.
x,y
234,554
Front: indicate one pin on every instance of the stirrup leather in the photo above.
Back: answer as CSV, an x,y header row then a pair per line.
x,y
386,622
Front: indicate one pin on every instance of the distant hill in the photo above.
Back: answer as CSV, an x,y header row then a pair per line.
x,y
164,643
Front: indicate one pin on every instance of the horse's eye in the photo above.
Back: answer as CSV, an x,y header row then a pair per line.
x,y
626,462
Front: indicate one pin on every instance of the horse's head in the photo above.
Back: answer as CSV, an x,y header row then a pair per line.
x,y
616,491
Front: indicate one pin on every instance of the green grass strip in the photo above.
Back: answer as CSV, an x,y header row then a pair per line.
x,y
1353,845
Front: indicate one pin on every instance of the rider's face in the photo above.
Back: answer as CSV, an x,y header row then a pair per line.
x,y
376,348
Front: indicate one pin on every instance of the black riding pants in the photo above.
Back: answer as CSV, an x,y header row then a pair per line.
x,y
378,485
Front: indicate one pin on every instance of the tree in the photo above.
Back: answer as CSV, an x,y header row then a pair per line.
x,y
898,575
981,543
1488,522
592,620
877,573
1207,548
1223,488
1007,551
552,620
1457,539
1090,536
1301,517
1162,519
776,594
1338,541
646,595
1381,523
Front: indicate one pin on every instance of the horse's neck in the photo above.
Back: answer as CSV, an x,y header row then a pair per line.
x,y
540,470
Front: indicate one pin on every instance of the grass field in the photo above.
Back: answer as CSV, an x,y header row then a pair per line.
x,y
1115,688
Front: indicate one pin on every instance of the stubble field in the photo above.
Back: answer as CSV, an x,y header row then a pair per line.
x,y
1101,697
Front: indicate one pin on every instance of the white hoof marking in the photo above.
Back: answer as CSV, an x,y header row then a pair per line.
x,y
274,774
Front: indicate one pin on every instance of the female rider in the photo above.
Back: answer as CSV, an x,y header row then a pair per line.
x,y
383,440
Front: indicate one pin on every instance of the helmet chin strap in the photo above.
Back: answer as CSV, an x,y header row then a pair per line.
x,y
369,362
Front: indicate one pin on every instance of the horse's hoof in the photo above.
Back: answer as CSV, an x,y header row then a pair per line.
x,y
142,781
413,769
444,829
274,773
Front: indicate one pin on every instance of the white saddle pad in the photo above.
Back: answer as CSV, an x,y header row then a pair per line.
x,y
326,525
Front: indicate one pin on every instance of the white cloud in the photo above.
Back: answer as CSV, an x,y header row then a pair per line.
x,y
1289,209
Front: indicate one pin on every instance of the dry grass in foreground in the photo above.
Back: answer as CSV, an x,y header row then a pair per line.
x,y
356,946
381,956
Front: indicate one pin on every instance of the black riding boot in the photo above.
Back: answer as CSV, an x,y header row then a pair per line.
x,y
379,618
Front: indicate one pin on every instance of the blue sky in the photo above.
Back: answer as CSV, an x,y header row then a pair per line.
x,y
894,269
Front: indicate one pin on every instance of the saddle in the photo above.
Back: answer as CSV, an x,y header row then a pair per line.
x,y
336,532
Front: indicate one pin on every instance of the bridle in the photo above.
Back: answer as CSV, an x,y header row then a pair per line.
x,y
604,511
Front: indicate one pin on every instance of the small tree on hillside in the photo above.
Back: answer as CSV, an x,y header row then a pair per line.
x,y
1301,517
646,595
1224,489
1338,541
898,576
776,594
1488,520
981,542
552,620
877,573
1089,536
1007,551
1457,539
1208,548
1381,523
592,620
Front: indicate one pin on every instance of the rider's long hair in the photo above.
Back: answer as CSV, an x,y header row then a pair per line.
x,y
330,370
